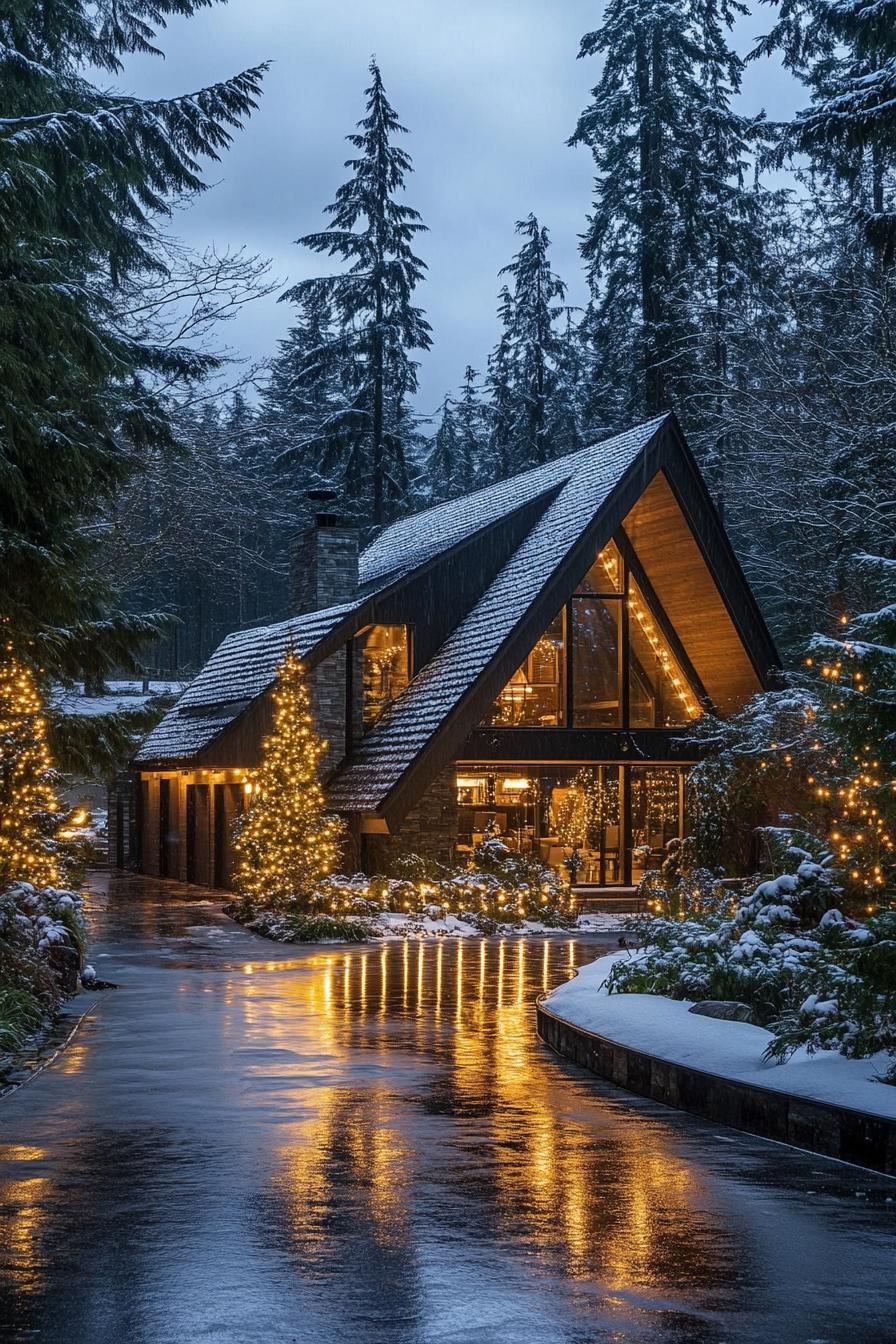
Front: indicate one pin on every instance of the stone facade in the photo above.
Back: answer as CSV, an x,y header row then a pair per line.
x,y
429,829
324,568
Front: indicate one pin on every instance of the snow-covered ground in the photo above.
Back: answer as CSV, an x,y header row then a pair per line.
x,y
664,1027
395,925
120,696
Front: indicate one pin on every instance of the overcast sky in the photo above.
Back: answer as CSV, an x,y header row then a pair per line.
x,y
490,91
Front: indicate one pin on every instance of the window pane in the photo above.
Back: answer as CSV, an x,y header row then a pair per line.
x,y
580,822
605,575
656,814
595,671
533,698
659,694
385,668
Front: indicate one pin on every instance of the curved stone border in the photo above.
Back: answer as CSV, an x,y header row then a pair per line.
x,y
819,1126
45,1064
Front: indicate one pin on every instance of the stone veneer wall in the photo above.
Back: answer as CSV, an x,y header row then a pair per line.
x,y
429,829
820,1127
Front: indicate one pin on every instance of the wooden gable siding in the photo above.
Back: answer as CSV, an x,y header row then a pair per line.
x,y
435,599
677,569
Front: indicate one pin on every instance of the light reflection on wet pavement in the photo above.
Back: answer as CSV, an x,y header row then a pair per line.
x,y
247,1142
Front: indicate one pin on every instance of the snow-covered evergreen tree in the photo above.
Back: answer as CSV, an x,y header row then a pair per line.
x,y
85,176
534,343
845,52
501,404
443,462
376,325
665,236
471,431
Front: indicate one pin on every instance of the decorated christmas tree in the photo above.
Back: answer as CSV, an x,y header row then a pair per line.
x,y
286,842
30,814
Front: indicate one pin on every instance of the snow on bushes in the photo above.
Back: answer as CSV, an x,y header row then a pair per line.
x,y
811,975
34,922
503,890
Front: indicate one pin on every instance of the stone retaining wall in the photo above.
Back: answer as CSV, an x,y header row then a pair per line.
x,y
820,1127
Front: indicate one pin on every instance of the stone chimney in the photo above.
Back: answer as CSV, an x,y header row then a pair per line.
x,y
325,560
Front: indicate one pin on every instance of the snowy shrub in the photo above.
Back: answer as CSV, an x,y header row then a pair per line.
x,y
678,889
302,928
502,890
32,922
812,976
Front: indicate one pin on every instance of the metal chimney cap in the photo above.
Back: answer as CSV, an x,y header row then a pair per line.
x,y
320,495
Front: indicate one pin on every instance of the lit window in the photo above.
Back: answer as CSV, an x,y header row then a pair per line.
x,y
533,697
659,693
385,668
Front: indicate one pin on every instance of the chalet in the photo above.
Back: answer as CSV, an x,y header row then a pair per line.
x,y
522,660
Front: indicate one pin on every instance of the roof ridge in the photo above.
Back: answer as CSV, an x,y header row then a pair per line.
x,y
413,539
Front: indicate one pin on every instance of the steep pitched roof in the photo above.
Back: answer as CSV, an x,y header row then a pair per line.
x,y
242,667
412,541
412,722
244,664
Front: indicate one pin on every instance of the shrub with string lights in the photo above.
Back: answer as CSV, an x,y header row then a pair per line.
x,y
286,842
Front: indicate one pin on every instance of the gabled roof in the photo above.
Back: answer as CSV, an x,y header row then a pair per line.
x,y
413,721
242,667
413,541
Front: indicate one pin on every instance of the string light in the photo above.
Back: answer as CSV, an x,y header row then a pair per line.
x,y
286,842
30,814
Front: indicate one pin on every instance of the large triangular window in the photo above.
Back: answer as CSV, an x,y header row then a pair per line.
x,y
607,660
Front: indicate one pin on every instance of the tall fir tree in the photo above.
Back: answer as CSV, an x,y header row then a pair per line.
x,y
471,430
845,52
286,841
501,399
670,158
376,324
85,176
443,461
534,345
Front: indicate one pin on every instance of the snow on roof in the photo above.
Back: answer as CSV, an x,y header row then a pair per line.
x,y
415,717
411,541
241,668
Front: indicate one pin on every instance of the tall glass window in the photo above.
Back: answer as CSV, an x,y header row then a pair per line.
x,y
386,668
656,809
534,696
596,662
605,642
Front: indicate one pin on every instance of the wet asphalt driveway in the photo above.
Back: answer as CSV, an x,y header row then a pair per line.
x,y
252,1143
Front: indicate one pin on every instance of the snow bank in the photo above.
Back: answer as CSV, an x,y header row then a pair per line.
x,y
393,924
664,1027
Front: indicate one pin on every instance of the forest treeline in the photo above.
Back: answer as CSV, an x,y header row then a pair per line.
x,y
740,272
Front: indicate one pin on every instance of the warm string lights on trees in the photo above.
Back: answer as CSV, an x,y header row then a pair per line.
x,y
30,815
286,842
856,678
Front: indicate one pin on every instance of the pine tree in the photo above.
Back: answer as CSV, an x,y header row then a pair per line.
x,y
286,842
85,174
669,153
566,403
30,814
376,323
471,432
444,455
845,52
303,396
534,343
501,406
